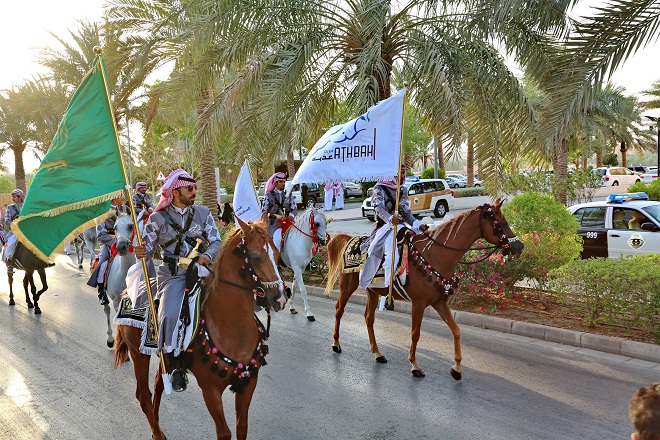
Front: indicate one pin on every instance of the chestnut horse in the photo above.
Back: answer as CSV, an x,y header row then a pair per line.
x,y
432,259
247,263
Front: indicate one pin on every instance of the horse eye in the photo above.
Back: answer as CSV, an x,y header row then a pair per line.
x,y
130,227
317,224
256,256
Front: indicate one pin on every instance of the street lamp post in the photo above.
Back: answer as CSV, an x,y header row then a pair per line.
x,y
657,123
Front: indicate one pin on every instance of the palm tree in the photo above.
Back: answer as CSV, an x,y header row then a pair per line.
x,y
295,60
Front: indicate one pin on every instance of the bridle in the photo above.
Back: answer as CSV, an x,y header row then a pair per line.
x,y
131,248
451,284
314,231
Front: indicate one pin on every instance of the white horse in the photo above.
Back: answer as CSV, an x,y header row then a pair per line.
x,y
89,238
310,227
123,260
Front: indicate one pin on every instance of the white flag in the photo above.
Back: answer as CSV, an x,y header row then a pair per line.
x,y
246,204
364,149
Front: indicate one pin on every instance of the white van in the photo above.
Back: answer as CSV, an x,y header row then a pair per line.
x,y
615,176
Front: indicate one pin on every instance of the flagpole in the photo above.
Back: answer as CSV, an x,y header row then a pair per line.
x,y
136,229
396,202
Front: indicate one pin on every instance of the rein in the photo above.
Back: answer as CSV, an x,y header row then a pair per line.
x,y
451,284
314,231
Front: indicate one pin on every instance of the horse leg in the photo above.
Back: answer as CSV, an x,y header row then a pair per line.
x,y
242,402
295,286
131,337
348,282
213,398
442,307
159,387
417,315
297,274
111,340
28,280
79,253
10,276
44,284
369,316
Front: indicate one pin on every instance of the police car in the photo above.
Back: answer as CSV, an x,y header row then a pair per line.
x,y
426,196
624,224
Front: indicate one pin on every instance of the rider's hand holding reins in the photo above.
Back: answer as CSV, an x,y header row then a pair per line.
x,y
204,260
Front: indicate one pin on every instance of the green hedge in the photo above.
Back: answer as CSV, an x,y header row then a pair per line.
x,y
623,291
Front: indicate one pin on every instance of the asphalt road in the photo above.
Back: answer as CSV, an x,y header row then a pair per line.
x,y
57,380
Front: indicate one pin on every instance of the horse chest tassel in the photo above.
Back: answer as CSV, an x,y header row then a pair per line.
x,y
241,373
448,285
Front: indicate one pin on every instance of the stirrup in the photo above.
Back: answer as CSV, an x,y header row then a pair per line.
x,y
179,380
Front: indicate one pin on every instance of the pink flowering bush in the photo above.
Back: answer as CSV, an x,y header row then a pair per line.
x,y
321,258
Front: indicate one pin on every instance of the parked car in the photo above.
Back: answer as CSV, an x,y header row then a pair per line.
x,y
313,194
456,183
352,190
641,169
426,196
456,176
650,176
625,224
615,176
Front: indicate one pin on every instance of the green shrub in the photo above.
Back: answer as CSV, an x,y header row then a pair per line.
x,y
428,173
652,189
549,233
622,292
469,192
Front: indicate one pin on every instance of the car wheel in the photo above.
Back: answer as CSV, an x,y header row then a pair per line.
x,y
440,209
615,183
371,218
476,184
311,202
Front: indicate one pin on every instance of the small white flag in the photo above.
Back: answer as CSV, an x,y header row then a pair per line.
x,y
246,204
364,149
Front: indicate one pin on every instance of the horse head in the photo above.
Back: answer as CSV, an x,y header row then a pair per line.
x,y
124,233
259,259
320,224
500,233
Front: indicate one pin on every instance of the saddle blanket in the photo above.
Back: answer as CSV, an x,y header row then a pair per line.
x,y
138,315
353,261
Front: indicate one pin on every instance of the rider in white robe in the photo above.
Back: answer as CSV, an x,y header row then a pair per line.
x,y
329,194
11,214
339,196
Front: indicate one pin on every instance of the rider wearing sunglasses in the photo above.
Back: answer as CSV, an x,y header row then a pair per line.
x,y
176,224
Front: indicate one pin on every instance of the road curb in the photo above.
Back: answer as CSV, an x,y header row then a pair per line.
x,y
607,344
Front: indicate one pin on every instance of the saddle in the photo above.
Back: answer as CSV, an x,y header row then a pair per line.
x,y
353,259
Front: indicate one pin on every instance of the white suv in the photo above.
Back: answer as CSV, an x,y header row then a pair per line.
x,y
615,176
426,196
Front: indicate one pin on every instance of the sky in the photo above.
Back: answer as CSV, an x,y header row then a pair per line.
x,y
25,26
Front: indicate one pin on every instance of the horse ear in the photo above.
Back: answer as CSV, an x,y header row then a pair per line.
x,y
244,226
264,217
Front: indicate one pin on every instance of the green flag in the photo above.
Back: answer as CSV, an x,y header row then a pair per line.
x,y
80,174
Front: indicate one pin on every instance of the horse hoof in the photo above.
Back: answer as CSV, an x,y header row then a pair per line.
x,y
30,305
293,311
336,348
456,374
12,302
110,344
381,360
418,373
80,266
311,318
37,311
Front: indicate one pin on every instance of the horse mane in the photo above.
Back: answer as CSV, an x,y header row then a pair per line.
x,y
451,227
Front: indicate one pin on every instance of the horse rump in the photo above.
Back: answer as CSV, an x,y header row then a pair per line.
x,y
336,248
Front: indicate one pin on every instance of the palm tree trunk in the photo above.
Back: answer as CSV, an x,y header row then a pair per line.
x,y
207,165
561,171
624,156
290,163
19,167
470,161
441,154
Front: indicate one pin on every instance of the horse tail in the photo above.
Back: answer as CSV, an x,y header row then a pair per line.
x,y
121,349
336,248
